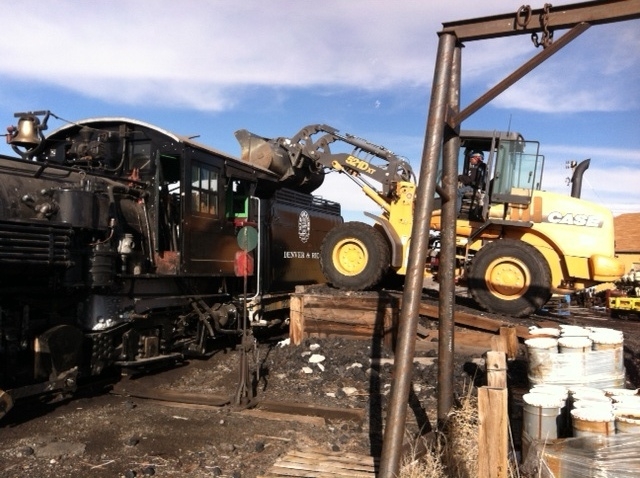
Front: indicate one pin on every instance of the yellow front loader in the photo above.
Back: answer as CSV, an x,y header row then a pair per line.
x,y
516,243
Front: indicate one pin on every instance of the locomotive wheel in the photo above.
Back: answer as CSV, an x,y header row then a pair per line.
x,y
354,256
510,277
6,403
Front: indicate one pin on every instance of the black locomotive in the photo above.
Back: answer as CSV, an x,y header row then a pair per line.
x,y
124,245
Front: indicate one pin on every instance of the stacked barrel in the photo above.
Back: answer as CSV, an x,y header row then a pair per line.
x,y
577,379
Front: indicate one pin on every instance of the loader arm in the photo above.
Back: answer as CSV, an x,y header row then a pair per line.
x,y
303,160
356,163
302,156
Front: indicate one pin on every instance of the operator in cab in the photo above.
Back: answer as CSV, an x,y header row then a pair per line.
x,y
469,182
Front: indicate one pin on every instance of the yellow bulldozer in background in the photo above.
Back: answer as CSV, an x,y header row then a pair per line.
x,y
516,244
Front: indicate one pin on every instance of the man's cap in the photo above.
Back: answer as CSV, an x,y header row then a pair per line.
x,y
477,153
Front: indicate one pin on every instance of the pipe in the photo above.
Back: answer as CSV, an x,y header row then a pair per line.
x,y
448,251
258,253
411,297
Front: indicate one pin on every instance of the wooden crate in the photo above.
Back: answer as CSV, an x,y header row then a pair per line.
x,y
316,312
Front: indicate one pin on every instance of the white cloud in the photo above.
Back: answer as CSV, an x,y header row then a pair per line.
x,y
338,187
611,179
208,55
606,154
598,71
200,54
545,95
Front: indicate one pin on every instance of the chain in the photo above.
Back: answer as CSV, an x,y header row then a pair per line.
x,y
547,35
523,15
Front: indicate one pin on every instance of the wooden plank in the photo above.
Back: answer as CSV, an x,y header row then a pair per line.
x,y
543,324
511,339
484,323
194,398
424,332
335,460
422,346
472,320
352,457
492,433
312,409
283,417
506,342
472,338
319,463
296,320
183,406
496,365
365,315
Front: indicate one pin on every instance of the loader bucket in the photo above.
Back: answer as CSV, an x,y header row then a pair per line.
x,y
304,176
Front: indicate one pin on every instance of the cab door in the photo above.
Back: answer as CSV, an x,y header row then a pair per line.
x,y
209,240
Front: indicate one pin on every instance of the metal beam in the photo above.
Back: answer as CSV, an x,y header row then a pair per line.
x,y
558,18
518,74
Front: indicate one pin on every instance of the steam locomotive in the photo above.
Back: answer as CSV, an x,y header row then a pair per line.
x,y
125,245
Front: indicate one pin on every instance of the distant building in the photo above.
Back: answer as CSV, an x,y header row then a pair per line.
x,y
627,234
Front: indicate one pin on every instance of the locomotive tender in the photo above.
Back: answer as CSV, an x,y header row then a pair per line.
x,y
120,247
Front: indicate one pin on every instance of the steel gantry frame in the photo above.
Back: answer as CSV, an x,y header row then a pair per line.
x,y
442,136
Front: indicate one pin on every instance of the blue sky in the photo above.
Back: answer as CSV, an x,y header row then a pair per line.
x,y
365,67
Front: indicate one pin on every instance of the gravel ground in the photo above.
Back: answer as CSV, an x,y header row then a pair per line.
x,y
109,435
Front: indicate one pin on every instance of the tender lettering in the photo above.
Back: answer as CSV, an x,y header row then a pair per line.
x,y
301,255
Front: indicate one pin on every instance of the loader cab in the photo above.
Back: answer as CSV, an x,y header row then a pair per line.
x,y
514,169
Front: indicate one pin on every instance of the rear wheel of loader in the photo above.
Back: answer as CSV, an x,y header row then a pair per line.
x,y
510,277
354,256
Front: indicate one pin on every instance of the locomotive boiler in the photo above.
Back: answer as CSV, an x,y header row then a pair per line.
x,y
125,245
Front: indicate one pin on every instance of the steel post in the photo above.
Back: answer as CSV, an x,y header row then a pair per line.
x,y
412,294
446,271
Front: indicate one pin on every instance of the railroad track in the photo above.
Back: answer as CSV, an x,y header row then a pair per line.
x,y
268,409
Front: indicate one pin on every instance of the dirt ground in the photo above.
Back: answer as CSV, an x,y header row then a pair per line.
x,y
104,434
107,435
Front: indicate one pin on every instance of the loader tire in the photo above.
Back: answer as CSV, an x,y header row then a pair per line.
x,y
509,277
354,256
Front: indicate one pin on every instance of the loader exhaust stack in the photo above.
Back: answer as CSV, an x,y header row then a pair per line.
x,y
576,180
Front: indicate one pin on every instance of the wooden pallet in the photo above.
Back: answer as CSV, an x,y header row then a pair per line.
x,y
319,463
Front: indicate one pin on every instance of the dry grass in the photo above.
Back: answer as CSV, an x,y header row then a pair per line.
x,y
453,453
428,465
461,430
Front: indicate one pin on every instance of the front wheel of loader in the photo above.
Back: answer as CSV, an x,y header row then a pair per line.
x,y
510,277
354,256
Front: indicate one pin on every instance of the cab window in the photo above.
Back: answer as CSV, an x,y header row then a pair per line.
x,y
204,189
